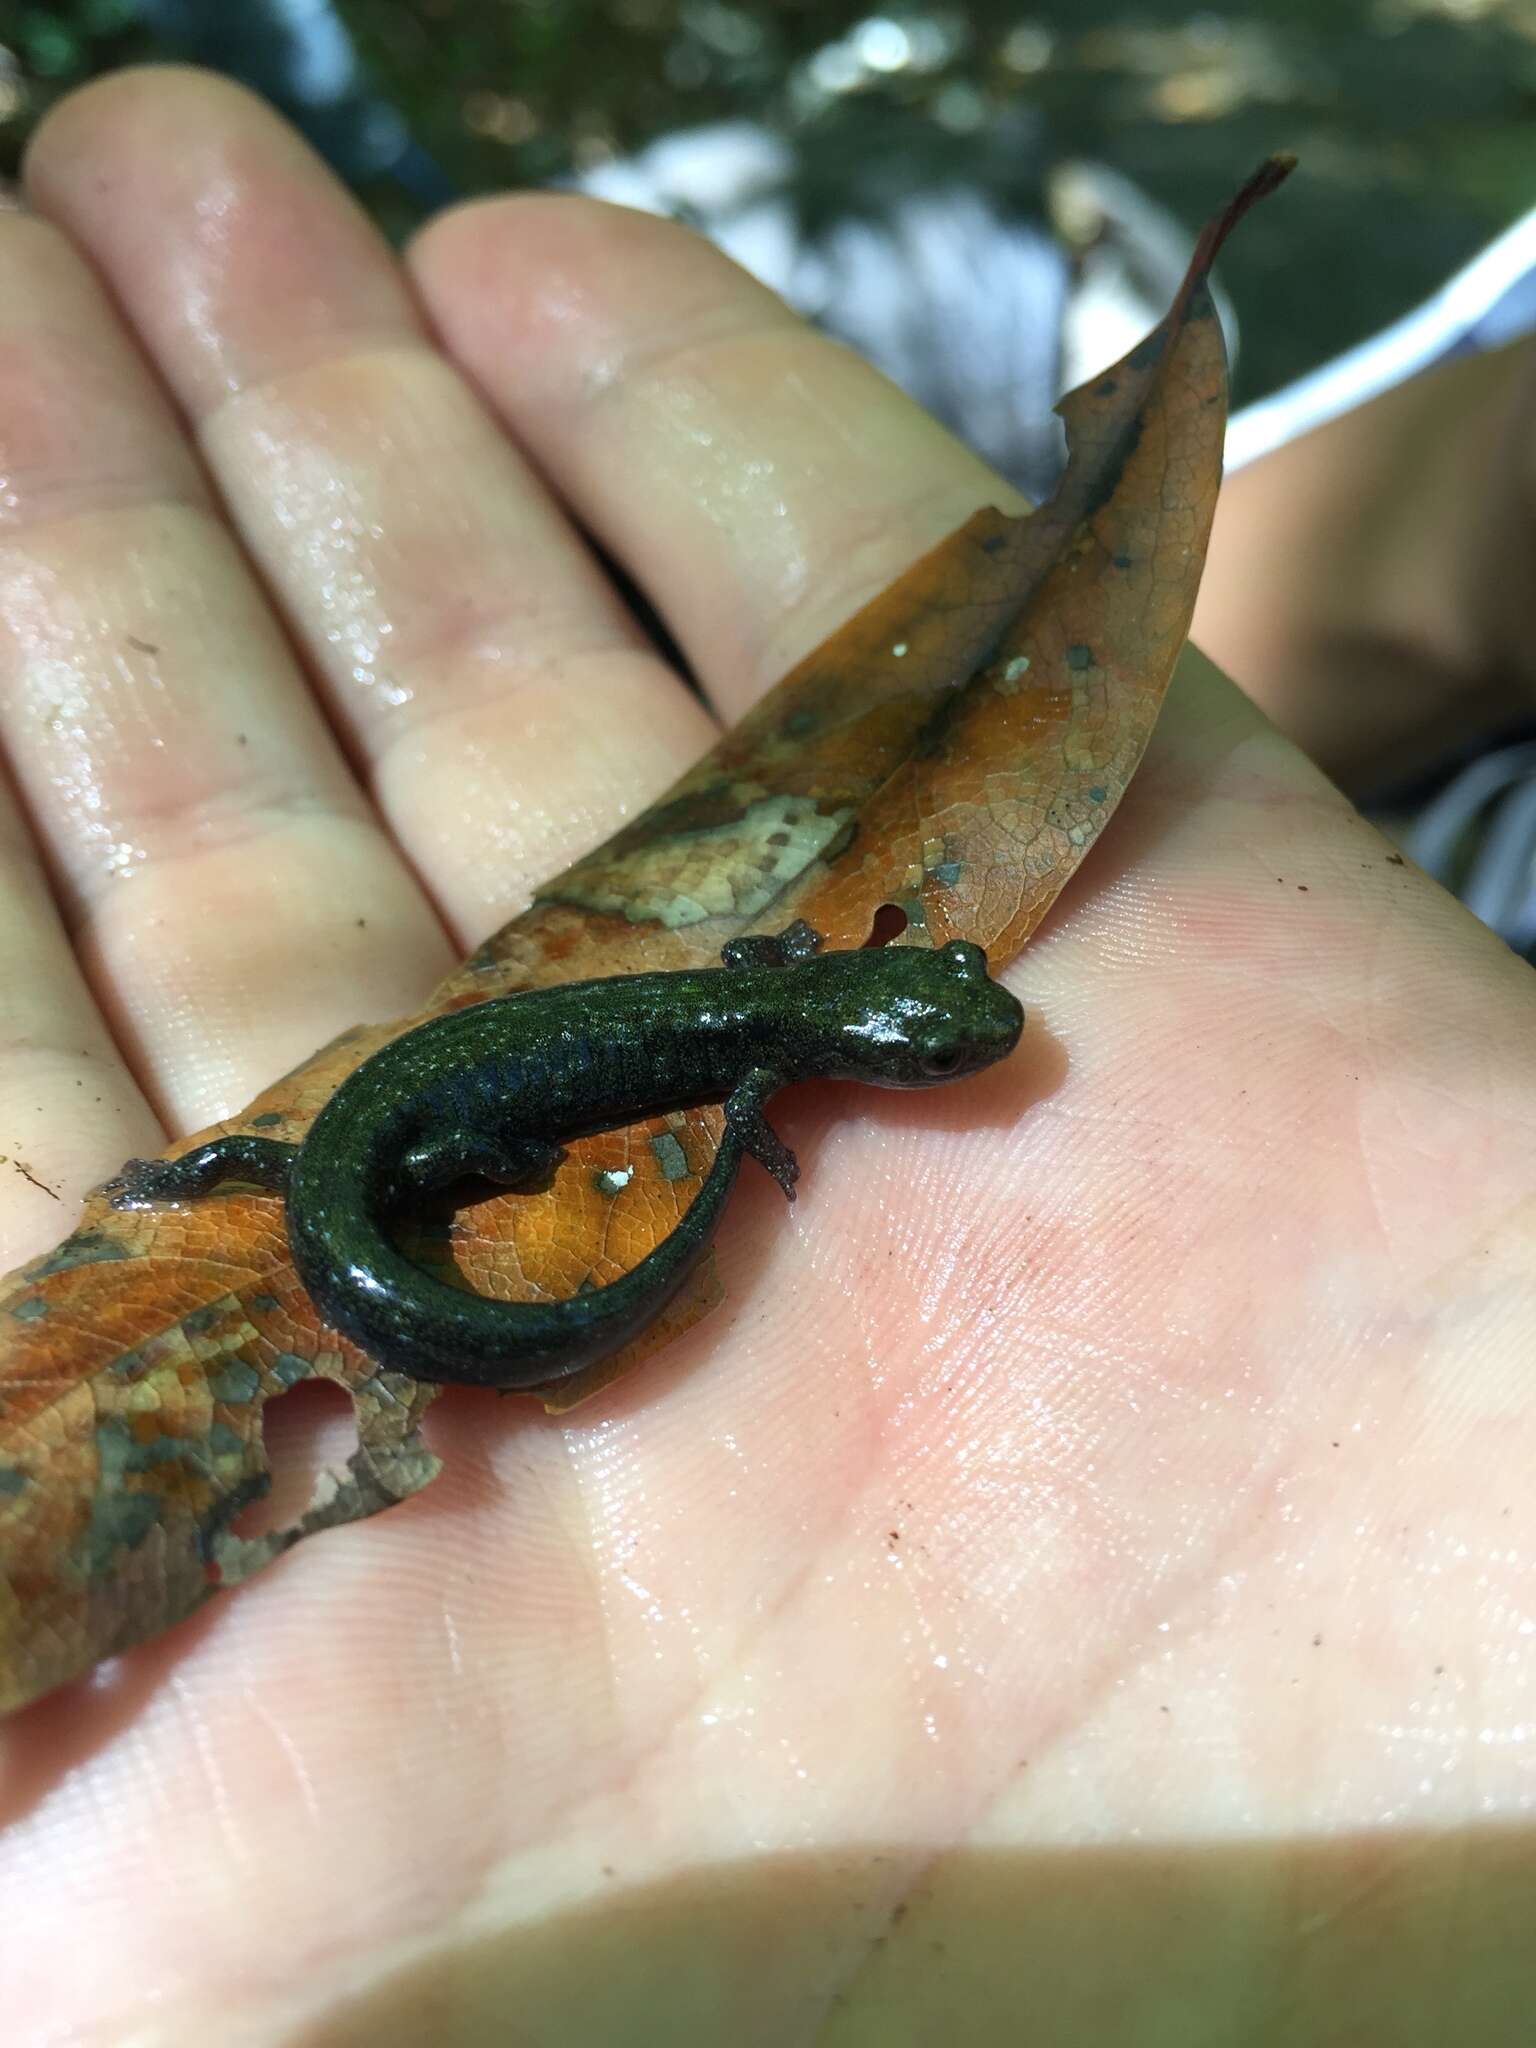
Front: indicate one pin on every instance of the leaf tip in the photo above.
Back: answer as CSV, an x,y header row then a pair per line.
x,y
1267,178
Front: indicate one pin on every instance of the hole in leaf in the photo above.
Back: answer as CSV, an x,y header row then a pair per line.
x,y
890,922
307,1430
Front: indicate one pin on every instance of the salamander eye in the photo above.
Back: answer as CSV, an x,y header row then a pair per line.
x,y
966,959
948,1060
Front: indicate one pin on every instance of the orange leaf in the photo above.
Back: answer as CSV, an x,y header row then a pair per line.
x,y
954,751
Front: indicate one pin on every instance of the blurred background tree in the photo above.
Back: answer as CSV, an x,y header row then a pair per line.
x,y
1412,117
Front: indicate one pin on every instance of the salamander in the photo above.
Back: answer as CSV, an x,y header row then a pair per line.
x,y
496,1088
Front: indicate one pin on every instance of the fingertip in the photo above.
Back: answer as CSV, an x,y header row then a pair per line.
x,y
231,248
156,99
562,230
575,290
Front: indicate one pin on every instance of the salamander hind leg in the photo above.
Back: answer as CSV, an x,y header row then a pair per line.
x,y
797,941
252,1162
458,1154
753,1132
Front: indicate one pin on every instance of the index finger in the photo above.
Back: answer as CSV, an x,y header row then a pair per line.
x,y
758,480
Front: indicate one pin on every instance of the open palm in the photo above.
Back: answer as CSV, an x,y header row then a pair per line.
x,y
1082,1587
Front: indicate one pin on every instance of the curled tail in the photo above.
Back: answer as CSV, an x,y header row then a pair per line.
x,y
412,1322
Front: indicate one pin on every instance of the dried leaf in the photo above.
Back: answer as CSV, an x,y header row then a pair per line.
x,y
954,751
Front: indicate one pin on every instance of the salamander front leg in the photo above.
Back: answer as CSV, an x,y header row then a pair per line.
x,y
745,1120
251,1162
797,941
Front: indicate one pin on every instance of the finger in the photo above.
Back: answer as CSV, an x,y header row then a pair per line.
x,y
182,787
497,697
67,1100
760,481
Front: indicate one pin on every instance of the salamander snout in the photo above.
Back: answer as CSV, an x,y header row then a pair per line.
x,y
967,1021
985,1028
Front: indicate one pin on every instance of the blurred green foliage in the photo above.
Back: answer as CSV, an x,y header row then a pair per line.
x,y
1413,118
51,47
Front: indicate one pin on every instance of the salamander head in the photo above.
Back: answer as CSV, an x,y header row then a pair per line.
x,y
913,1018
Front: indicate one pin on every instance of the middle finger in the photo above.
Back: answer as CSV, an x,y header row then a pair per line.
x,y
494,693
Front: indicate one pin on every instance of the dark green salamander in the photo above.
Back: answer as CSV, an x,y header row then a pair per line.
x,y
493,1090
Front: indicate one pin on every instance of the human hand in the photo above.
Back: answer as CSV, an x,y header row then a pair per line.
x,y
1081,1581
